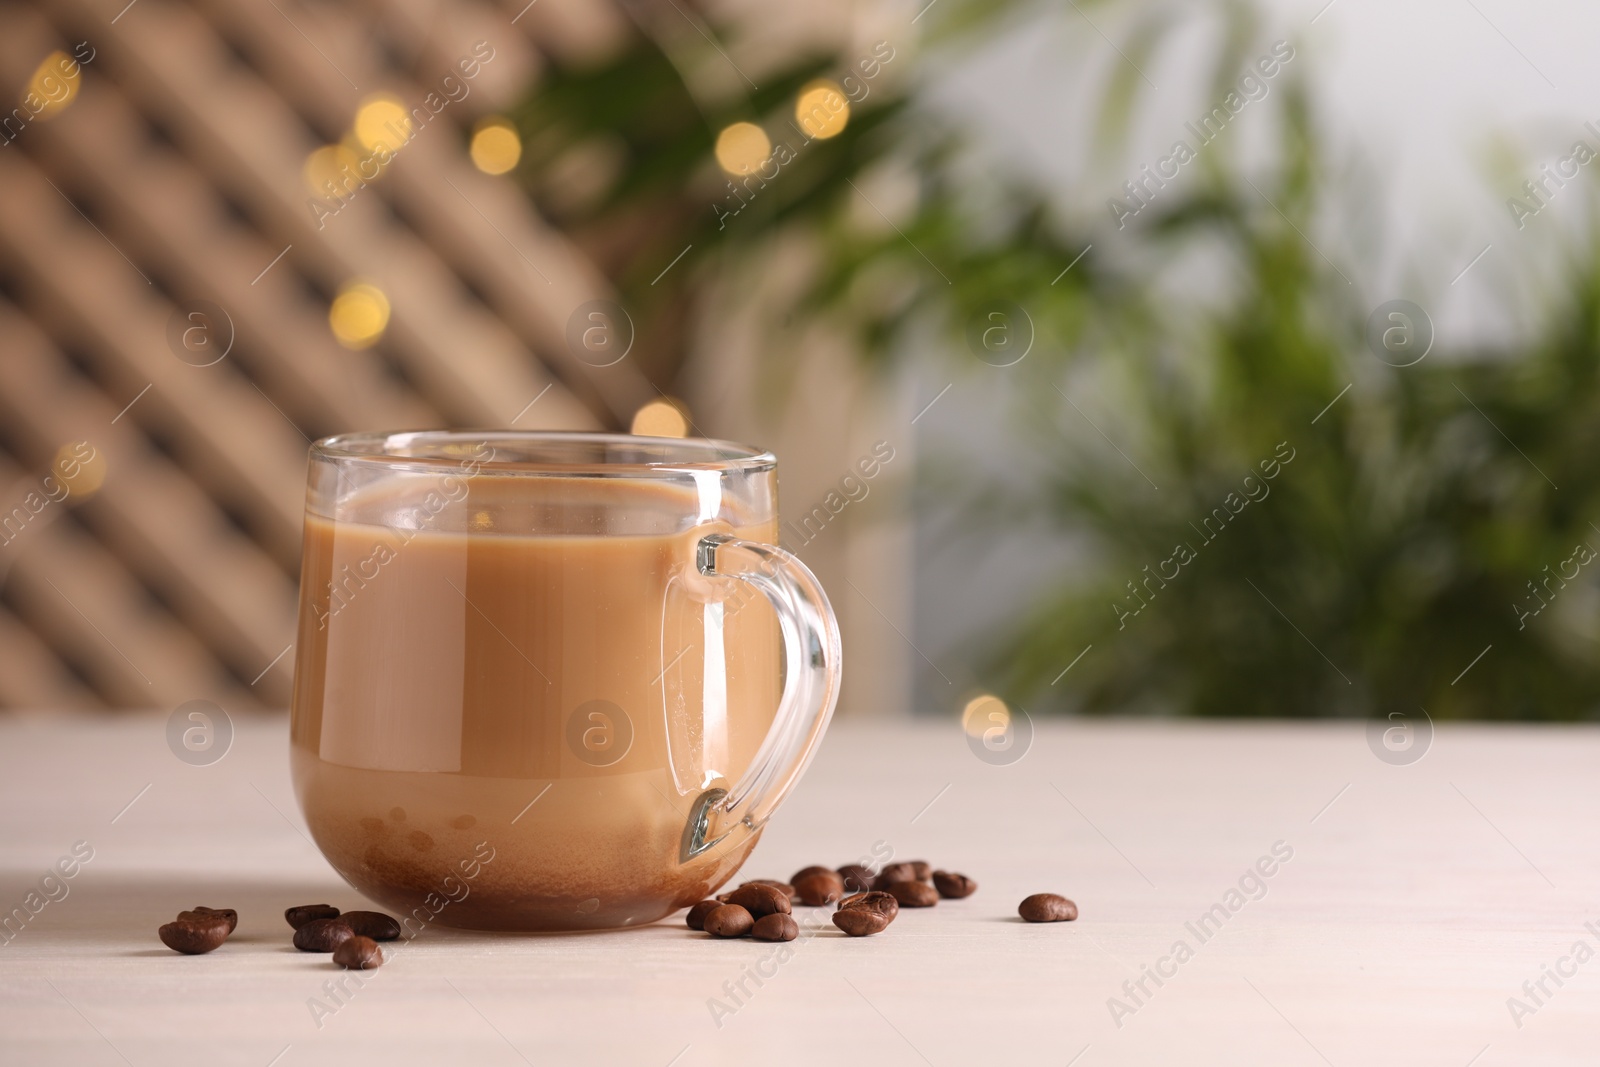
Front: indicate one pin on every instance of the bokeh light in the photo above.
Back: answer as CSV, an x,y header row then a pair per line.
x,y
660,418
822,109
81,468
333,163
382,120
52,86
495,146
359,315
983,713
742,147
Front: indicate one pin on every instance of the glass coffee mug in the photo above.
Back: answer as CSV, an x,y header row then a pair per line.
x,y
549,681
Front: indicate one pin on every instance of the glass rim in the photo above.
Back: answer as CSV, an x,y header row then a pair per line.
x,y
675,454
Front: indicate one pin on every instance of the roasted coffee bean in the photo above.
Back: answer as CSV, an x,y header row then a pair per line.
x,y
195,936
775,927
358,954
895,872
823,887
1047,908
301,914
786,888
198,911
874,900
322,935
760,899
729,920
923,871
914,894
807,872
697,914
953,886
857,879
782,887
860,922
373,924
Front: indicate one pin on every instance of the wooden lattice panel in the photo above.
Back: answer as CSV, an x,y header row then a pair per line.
x,y
175,174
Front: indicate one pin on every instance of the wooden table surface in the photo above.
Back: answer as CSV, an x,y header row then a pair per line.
x,y
1417,902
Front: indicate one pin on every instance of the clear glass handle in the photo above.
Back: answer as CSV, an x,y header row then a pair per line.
x,y
811,687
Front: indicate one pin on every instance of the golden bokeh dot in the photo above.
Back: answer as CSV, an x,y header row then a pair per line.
x,y
52,86
822,109
382,120
335,164
495,146
359,314
983,713
81,468
660,418
742,147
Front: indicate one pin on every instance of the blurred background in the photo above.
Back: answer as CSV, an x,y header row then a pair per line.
x,y
1208,358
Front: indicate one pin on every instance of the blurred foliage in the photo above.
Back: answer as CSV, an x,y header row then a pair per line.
x,y
1412,519
1417,524
619,155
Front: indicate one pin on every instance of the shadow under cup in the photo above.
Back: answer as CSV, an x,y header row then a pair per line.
x,y
537,674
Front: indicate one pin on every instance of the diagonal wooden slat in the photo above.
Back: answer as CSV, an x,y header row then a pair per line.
x,y
80,598
156,521
31,675
483,227
573,33
168,212
431,38
83,289
175,66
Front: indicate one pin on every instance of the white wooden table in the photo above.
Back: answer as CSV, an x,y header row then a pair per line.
x,y
1418,900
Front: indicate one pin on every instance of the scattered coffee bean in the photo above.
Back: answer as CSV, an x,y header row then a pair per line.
x,y
358,954
697,914
1047,908
301,914
322,935
760,899
819,888
857,879
785,888
953,886
914,894
807,872
775,927
373,924
198,912
923,871
895,872
193,937
874,900
782,887
860,922
729,920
